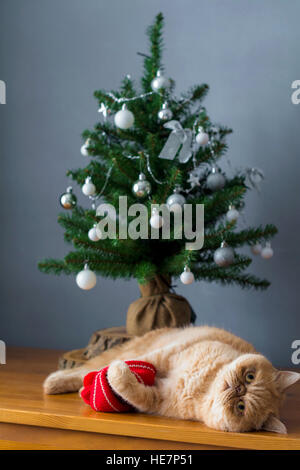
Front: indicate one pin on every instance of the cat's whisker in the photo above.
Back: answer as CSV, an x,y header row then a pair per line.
x,y
190,397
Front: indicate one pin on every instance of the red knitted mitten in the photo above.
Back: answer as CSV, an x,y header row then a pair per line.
x,y
98,393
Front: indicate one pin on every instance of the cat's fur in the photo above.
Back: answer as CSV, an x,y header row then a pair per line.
x,y
201,375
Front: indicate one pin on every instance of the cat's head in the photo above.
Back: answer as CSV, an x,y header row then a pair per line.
x,y
246,395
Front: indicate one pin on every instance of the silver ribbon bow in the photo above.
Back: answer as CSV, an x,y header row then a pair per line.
x,y
255,177
179,137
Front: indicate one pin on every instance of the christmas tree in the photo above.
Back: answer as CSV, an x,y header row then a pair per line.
x,y
155,148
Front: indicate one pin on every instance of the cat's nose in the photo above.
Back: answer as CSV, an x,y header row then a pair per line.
x,y
240,390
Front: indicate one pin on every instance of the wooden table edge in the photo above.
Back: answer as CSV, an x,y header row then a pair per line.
x,y
251,441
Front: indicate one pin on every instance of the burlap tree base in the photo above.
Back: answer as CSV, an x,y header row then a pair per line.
x,y
157,307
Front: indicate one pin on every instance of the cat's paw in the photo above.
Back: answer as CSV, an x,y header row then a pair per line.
x,y
62,382
120,377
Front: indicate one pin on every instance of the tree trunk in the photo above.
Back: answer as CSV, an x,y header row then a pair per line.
x,y
157,308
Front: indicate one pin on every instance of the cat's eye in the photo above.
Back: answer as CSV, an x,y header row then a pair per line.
x,y
249,377
241,406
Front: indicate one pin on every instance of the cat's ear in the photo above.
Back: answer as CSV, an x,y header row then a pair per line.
x,y
274,424
286,378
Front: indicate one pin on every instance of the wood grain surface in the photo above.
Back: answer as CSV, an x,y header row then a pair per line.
x,y
29,412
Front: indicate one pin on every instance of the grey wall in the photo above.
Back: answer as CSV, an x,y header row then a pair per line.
x,y
53,55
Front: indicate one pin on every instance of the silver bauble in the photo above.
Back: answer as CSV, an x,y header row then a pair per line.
x,y
142,187
215,180
159,82
224,256
175,201
165,114
68,200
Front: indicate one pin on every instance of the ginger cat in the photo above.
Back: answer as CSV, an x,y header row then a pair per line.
x,y
203,373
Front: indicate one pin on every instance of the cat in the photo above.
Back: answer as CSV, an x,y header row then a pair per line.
x,y
203,373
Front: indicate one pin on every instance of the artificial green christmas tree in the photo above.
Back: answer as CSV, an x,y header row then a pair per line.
x,y
155,148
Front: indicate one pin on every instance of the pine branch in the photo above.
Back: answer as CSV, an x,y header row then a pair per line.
x,y
216,204
174,177
227,277
195,94
153,63
173,265
54,266
104,266
106,248
206,261
213,239
251,236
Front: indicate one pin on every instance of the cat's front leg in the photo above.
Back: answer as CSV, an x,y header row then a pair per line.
x,y
143,397
63,381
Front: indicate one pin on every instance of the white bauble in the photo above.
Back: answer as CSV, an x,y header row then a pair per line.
x,y
86,279
175,202
215,180
159,82
156,220
124,118
98,231
232,214
202,138
224,256
88,188
256,249
187,277
92,234
84,148
267,252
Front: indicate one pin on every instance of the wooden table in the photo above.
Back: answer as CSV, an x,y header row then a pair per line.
x,y
30,420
